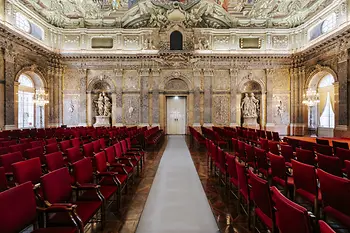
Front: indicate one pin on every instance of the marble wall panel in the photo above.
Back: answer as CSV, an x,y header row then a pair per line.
x,y
281,109
131,80
221,80
71,109
131,109
221,111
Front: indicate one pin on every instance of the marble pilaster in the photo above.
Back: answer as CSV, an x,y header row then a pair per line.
x,y
233,107
10,122
2,90
144,96
208,76
155,97
343,93
269,94
82,97
117,114
197,96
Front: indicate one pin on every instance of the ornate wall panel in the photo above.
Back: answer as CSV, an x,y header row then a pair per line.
x,y
221,80
281,109
221,111
131,109
131,80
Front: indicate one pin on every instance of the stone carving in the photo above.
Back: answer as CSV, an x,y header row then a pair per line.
x,y
221,110
250,106
131,80
131,109
176,60
103,105
280,42
176,85
195,13
280,107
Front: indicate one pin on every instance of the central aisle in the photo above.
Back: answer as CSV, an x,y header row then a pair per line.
x,y
177,202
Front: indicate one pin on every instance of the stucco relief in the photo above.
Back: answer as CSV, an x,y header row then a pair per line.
x,y
245,77
281,79
131,81
71,79
71,109
131,109
221,80
221,115
176,85
281,106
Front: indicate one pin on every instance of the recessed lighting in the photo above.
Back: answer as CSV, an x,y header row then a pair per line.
x,y
176,97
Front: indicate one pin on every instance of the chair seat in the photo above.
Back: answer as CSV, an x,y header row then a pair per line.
x,y
290,181
85,210
264,218
106,191
108,180
56,230
339,216
309,196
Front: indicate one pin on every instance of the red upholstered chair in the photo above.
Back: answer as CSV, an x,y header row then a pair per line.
x,y
269,135
84,177
337,145
287,153
305,182
38,143
234,144
323,149
116,163
75,142
18,147
264,144
343,155
263,203
273,147
102,143
4,150
64,145
137,155
51,148
322,141
74,154
276,136
3,180
54,161
325,228
208,148
119,154
279,174
107,177
21,201
136,148
88,150
241,150
335,194
28,170
57,190
50,141
7,160
305,156
250,155
97,146
232,173
290,217
221,165
244,196
37,152
330,164
307,145
261,162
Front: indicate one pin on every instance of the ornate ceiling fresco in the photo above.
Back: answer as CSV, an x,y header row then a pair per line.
x,y
192,13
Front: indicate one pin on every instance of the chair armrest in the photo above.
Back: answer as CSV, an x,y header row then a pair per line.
x,y
106,174
87,187
59,207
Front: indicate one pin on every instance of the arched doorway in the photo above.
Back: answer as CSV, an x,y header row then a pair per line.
x,y
319,99
176,41
29,113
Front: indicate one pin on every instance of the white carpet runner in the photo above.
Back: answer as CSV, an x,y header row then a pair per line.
x,y
177,202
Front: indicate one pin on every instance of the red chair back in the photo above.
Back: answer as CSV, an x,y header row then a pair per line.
x,y
264,144
305,156
18,208
37,152
261,161
305,179
54,161
88,149
56,186
37,144
343,154
324,227
278,167
96,146
347,168
64,145
51,141
83,171
234,145
74,154
51,148
287,152
102,143
241,149
75,142
4,150
329,164
118,150
7,160
307,145
19,147
273,147
322,141
323,149
291,217
110,154
231,165
101,162
3,180
242,180
342,145
250,156
29,170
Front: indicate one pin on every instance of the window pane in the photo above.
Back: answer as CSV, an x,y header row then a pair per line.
x,y
25,109
24,80
22,23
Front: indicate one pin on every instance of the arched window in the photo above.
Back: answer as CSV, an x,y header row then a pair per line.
x,y
22,22
327,115
176,40
25,102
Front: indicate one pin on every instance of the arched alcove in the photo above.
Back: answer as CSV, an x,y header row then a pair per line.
x,y
251,95
321,113
28,113
176,40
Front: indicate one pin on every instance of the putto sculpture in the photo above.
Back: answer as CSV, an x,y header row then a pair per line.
x,y
250,107
103,105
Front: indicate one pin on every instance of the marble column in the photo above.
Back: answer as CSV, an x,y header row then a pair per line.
x,y
343,92
233,96
156,97
269,102
117,115
2,10
2,90
82,97
10,90
162,107
89,108
191,110
144,98
51,90
197,97
208,75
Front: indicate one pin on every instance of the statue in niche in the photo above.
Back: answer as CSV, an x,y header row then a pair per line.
x,y
250,108
99,105
103,105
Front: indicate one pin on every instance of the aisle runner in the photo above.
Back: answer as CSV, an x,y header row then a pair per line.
x,y
177,202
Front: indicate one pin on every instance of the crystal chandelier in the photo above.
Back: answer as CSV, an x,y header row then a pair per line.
x,y
311,98
41,97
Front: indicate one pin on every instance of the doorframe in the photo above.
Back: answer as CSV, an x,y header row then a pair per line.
x,y
167,96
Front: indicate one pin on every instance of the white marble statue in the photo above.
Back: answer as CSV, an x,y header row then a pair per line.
x,y
245,105
254,107
250,106
107,105
99,105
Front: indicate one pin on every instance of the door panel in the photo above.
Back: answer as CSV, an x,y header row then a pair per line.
x,y
176,115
